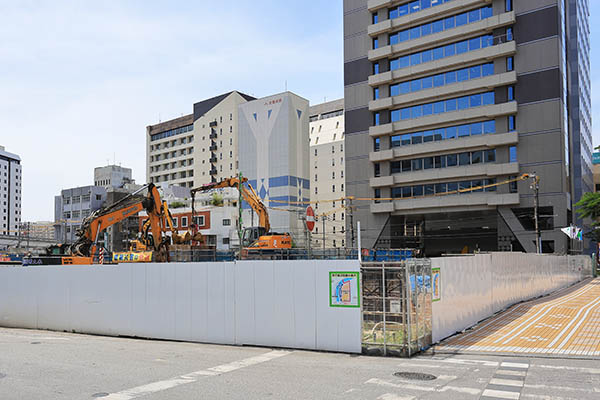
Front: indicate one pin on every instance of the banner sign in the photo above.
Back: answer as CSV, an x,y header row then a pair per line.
x,y
144,256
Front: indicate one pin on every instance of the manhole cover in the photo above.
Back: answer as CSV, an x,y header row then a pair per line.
x,y
2,375
101,394
415,376
36,342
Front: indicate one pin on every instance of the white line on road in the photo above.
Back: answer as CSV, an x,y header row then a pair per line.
x,y
514,365
391,396
506,382
506,372
194,376
410,386
501,394
545,397
595,371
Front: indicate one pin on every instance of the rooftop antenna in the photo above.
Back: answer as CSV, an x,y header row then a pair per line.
x,y
286,85
159,118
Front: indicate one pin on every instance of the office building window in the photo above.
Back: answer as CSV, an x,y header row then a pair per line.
x,y
511,93
377,170
375,43
226,222
512,123
450,160
376,118
451,188
451,22
509,34
413,7
375,68
509,5
375,18
447,78
376,142
376,93
510,63
440,107
442,52
513,153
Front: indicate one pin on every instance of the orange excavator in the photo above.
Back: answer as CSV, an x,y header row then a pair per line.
x,y
259,236
86,245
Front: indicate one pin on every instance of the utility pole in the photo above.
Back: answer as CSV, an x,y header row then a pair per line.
x,y
240,211
535,185
323,218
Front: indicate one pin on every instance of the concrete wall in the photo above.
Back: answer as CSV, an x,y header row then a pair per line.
x,y
475,287
282,304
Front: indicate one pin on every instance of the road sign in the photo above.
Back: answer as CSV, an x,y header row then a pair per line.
x,y
310,218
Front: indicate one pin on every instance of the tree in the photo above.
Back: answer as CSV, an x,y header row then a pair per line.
x,y
177,204
589,207
216,200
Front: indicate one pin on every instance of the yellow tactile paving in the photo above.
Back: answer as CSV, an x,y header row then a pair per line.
x,y
568,322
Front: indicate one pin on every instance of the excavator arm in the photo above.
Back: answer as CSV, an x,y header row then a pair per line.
x,y
125,208
248,193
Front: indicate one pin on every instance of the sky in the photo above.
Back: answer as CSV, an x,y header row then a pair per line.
x,y
81,80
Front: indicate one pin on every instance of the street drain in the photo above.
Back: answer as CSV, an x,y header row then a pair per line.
x,y
415,376
101,394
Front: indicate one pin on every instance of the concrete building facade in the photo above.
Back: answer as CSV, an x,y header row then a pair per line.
x,y
72,207
327,178
112,176
10,192
198,148
450,95
273,133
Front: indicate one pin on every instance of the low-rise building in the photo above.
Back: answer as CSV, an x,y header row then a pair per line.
x,y
72,207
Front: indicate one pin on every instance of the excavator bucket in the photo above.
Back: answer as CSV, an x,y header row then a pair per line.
x,y
181,238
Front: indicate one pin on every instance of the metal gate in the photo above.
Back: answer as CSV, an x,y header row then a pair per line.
x,y
396,310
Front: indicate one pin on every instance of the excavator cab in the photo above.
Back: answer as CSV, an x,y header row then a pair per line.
x,y
251,235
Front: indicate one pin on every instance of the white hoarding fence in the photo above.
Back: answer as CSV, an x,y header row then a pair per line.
x,y
266,303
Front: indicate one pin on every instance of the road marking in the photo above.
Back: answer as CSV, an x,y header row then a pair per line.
x,y
506,382
410,386
501,394
391,396
563,388
510,373
160,386
514,365
462,361
545,397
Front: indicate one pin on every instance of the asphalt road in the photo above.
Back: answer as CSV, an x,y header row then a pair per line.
x,y
49,365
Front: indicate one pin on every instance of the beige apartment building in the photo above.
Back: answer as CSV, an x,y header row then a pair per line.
x,y
199,148
327,173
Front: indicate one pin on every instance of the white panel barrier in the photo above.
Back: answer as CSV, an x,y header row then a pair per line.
x,y
475,287
267,303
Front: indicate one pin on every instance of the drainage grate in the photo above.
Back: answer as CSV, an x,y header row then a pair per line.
x,y
101,394
415,376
